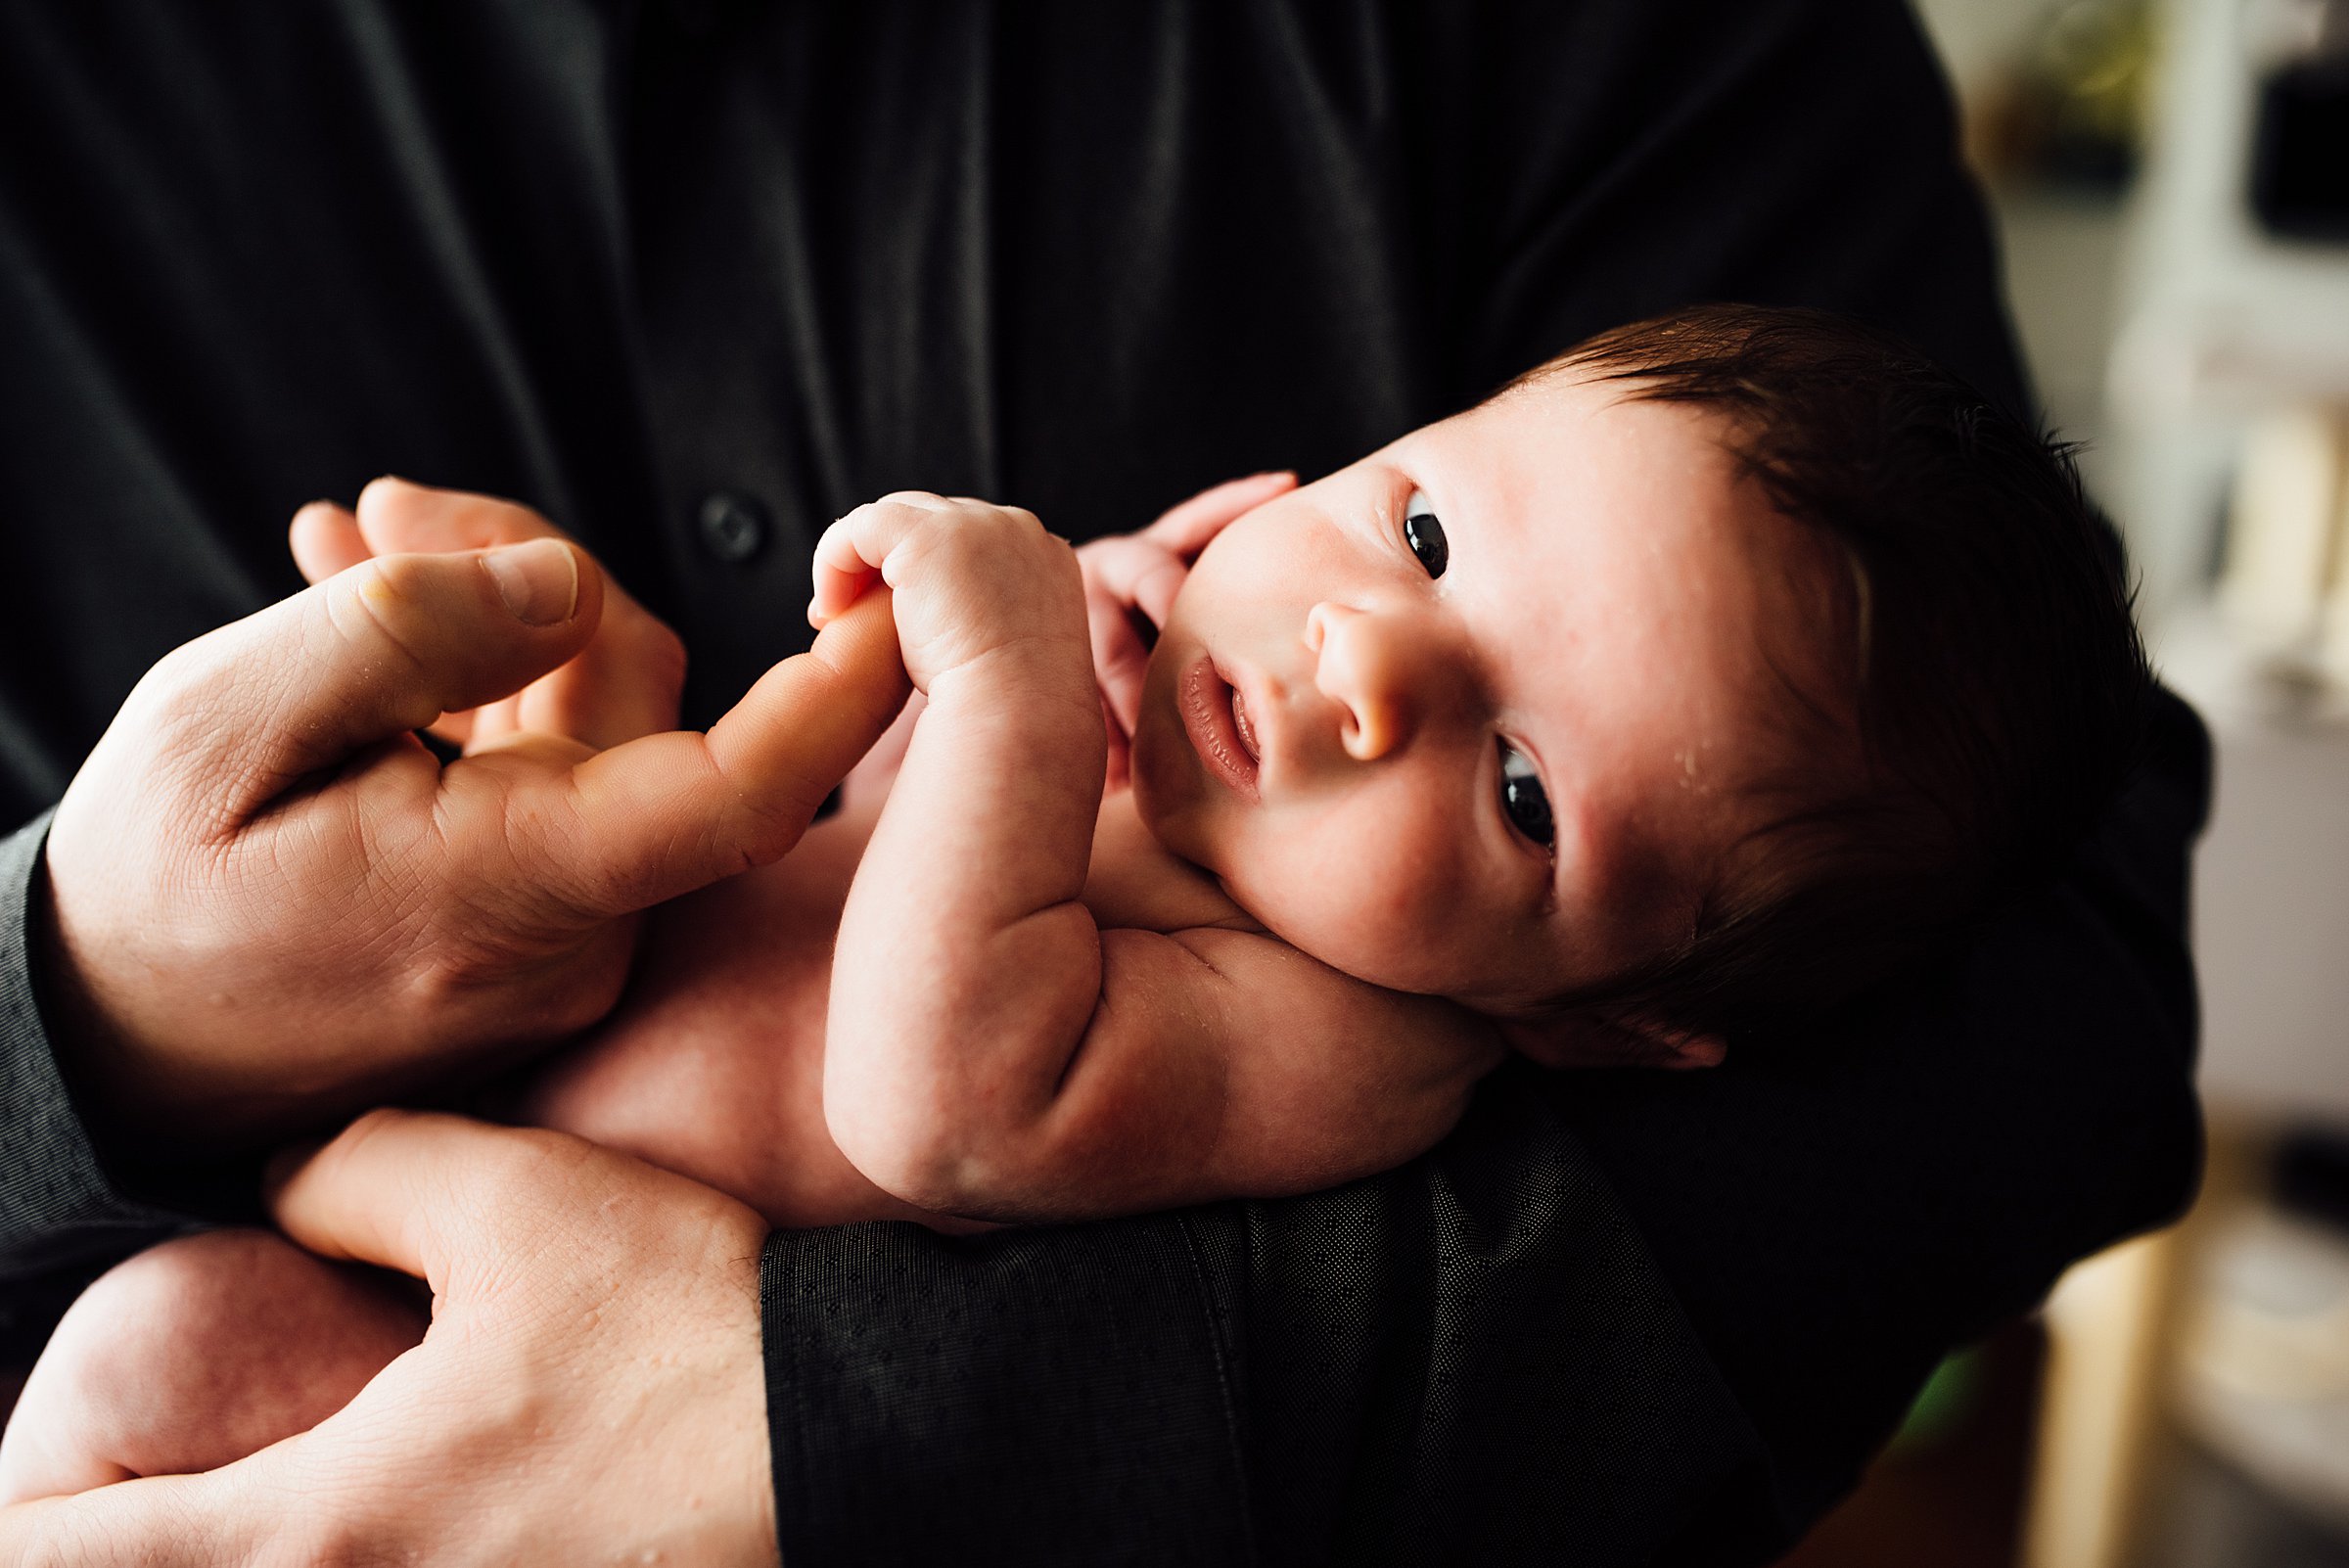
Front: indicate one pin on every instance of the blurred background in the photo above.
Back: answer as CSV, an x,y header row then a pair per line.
x,y
2172,180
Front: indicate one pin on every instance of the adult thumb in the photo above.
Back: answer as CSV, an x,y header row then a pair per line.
x,y
381,649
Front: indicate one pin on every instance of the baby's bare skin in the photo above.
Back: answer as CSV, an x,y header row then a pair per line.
x,y
712,1065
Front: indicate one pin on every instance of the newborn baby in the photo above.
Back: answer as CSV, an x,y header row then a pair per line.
x,y
1688,686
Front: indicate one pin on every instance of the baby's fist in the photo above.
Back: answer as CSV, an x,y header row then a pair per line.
x,y
970,578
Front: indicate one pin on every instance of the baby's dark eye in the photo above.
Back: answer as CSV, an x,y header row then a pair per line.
x,y
1424,534
1523,798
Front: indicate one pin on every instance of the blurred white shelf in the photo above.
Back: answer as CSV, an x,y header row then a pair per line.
x,y
2271,880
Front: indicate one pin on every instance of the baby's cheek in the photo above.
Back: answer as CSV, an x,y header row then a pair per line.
x,y
1379,903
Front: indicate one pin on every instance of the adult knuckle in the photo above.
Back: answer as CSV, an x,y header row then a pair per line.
x,y
531,1161
767,826
177,700
177,675
323,1540
1065,567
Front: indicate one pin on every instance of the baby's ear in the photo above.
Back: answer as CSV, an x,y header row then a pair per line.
x,y
1579,1037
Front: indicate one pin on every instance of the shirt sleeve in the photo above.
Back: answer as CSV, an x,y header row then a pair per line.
x,y
1468,1360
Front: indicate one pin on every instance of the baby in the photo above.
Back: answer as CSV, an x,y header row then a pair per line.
x,y
1686,687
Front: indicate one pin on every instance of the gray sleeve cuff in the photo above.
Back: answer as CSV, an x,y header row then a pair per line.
x,y
56,1202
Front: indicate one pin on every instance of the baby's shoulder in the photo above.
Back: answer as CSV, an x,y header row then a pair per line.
x,y
1134,883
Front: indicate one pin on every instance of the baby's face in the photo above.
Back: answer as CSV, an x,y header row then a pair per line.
x,y
1498,756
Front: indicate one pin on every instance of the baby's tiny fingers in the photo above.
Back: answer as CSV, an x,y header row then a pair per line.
x,y
1139,575
1120,657
924,501
842,570
1155,589
1186,529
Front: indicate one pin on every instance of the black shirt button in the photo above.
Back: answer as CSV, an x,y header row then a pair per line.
x,y
733,526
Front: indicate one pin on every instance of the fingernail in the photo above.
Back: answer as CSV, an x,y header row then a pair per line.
x,y
539,580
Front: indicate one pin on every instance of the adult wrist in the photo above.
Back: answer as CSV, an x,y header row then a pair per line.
x,y
65,1197
147,1156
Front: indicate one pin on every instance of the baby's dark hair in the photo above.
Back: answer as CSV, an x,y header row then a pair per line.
x,y
1991,662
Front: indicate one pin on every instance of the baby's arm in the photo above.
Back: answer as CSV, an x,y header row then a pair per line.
x,y
991,1051
1218,1064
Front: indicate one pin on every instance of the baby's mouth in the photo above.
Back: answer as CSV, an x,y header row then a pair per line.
x,y
1246,730
1219,727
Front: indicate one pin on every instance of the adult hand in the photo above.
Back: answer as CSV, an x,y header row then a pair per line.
x,y
1130,580
271,904
627,680
589,1391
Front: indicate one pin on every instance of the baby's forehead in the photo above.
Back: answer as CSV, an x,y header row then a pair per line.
x,y
1569,494
1678,642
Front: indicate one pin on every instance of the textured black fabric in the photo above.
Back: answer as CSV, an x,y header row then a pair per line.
x,y
615,259
905,1415
1212,1389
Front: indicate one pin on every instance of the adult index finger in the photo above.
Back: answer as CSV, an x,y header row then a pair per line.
x,y
669,813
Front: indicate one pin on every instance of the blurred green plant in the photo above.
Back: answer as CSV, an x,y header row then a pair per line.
x,y
1942,1406
2073,110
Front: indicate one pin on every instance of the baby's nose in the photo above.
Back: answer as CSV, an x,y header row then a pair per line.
x,y
1371,666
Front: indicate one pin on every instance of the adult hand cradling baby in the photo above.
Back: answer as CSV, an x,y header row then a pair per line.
x,y
549,1467
273,904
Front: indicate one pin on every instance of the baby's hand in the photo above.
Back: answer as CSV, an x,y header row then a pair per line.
x,y
970,578
1130,580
